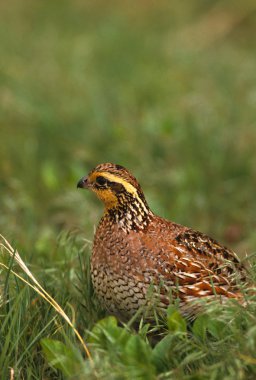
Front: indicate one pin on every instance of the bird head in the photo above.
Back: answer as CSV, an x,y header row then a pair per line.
x,y
114,186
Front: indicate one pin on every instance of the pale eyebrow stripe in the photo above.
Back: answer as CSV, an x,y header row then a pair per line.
x,y
112,177
128,187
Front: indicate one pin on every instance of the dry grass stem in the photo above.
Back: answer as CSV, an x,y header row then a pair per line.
x,y
38,288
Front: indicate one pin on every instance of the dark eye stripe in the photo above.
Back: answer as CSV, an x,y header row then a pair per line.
x,y
117,187
100,180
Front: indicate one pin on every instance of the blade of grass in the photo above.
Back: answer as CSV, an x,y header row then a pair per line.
x,y
39,289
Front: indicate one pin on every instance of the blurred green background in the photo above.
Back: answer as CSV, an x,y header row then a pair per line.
x,y
167,89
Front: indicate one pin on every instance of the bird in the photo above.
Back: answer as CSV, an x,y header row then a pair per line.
x,y
142,262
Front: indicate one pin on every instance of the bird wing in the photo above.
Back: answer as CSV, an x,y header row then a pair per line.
x,y
193,264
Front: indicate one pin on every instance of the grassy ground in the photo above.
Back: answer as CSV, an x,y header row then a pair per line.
x,y
164,88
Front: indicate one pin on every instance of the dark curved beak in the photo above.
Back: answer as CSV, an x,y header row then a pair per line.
x,y
83,183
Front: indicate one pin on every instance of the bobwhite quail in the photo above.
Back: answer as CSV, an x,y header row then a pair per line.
x,y
138,256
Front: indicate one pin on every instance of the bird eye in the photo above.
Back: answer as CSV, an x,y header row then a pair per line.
x,y
100,180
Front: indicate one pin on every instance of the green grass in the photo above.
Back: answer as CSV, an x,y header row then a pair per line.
x,y
37,343
168,90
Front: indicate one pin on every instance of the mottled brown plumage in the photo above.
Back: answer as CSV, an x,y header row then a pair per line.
x,y
142,261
